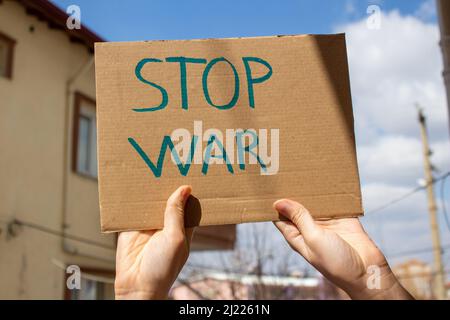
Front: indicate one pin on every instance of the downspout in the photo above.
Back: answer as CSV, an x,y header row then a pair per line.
x,y
66,166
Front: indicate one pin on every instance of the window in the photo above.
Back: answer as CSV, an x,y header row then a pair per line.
x,y
95,284
84,157
91,290
6,56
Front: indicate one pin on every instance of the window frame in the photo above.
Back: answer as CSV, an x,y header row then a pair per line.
x,y
10,56
79,98
67,294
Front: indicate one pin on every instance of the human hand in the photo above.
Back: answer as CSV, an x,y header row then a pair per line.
x,y
341,250
148,262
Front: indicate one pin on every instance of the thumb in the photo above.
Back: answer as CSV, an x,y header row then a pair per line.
x,y
174,214
299,216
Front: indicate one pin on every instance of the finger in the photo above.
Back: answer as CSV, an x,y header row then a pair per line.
x,y
299,216
292,236
287,229
124,238
125,241
174,214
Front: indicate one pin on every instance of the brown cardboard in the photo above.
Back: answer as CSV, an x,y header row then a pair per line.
x,y
307,97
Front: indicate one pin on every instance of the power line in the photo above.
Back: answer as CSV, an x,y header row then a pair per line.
x,y
392,202
101,245
406,195
57,233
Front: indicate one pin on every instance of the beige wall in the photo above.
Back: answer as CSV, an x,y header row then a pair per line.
x,y
36,185
32,133
417,277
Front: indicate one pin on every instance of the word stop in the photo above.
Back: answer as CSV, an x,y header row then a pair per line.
x,y
183,61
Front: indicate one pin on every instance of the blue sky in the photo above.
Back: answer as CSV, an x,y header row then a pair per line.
x,y
390,69
118,20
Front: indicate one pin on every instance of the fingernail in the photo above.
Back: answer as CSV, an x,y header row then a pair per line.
x,y
185,192
283,206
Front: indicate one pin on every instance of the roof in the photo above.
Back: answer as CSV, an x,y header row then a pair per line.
x,y
250,279
56,19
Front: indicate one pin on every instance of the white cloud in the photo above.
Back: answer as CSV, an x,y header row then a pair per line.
x,y
403,226
398,160
391,69
377,194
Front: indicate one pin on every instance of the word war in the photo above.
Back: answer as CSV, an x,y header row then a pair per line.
x,y
187,149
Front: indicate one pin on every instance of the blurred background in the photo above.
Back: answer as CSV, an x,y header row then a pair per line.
x,y
399,59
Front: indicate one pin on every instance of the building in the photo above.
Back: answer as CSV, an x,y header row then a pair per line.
x,y
49,212
417,277
232,286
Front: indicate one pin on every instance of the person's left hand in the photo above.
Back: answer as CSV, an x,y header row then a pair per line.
x,y
148,262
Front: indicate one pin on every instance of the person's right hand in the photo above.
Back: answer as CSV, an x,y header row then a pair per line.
x,y
342,251
148,262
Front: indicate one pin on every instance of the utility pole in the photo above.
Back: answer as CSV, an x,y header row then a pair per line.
x,y
439,279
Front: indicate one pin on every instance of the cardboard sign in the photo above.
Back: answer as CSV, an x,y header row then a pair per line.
x,y
244,121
